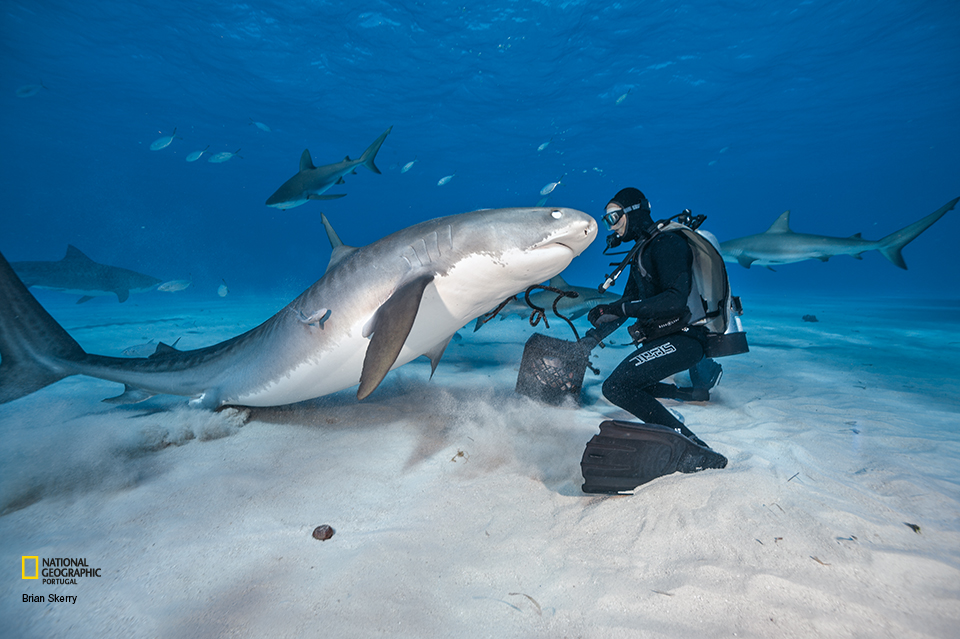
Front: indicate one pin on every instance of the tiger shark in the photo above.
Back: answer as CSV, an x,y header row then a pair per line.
x,y
376,307
311,182
780,245
78,274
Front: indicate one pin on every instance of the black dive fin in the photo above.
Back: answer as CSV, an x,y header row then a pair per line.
x,y
390,327
34,349
628,454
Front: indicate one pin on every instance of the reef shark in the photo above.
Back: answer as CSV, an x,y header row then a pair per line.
x,y
311,182
376,308
780,245
78,274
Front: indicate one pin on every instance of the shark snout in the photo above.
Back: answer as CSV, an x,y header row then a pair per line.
x,y
580,232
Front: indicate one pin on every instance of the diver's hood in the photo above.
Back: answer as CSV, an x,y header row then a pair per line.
x,y
639,222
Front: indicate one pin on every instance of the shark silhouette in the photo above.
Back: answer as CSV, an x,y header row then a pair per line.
x,y
780,245
76,273
311,182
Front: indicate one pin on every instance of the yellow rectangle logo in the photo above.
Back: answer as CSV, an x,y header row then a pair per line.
x,y
36,567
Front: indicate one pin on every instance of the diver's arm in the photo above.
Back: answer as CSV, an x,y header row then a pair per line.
x,y
672,262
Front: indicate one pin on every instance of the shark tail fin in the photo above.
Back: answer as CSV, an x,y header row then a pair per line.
x,y
33,346
368,156
891,245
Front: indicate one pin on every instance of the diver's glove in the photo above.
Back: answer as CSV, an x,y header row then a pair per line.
x,y
589,341
603,313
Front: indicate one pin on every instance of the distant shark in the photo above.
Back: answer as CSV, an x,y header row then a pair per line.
x,y
311,182
780,245
78,274
569,307
376,308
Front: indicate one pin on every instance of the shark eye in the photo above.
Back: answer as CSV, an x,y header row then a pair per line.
x,y
556,214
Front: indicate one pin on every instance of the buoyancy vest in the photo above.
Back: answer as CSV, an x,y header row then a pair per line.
x,y
711,304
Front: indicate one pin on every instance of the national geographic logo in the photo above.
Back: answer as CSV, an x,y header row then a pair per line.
x,y
57,570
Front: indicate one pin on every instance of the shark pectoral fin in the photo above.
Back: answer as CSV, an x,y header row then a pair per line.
x,y
436,353
130,395
314,196
122,295
85,298
745,261
390,327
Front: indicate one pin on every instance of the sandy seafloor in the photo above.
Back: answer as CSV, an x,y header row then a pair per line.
x,y
457,503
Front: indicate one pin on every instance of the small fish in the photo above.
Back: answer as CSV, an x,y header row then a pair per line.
x,y
29,90
915,528
548,189
222,290
260,125
141,350
623,97
164,142
544,145
317,318
193,157
444,180
711,162
408,165
724,149
174,285
223,156
543,200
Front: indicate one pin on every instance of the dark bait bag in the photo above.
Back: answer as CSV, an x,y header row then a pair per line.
x,y
552,369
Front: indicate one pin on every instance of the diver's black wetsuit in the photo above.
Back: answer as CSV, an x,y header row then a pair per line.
x,y
634,384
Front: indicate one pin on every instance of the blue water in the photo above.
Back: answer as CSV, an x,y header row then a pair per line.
x,y
844,112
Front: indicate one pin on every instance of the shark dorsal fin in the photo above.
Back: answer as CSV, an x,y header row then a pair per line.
x,y
75,254
782,225
340,250
346,158
165,349
558,282
306,162
856,236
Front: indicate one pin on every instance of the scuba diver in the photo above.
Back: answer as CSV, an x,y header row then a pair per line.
x,y
656,298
